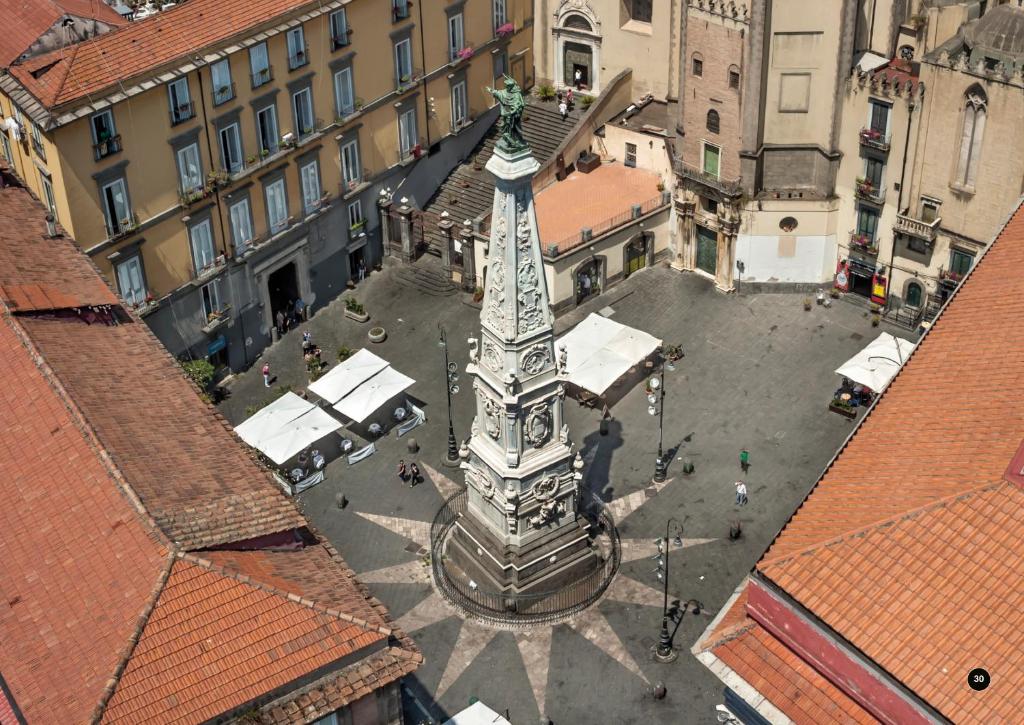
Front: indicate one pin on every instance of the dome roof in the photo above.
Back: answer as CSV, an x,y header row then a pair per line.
x,y
998,34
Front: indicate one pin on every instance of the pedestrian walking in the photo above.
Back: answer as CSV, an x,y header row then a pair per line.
x,y
577,79
266,375
362,270
745,460
307,341
280,319
563,109
300,310
741,493
414,474
403,474
570,100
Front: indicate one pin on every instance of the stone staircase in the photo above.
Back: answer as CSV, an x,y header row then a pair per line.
x,y
426,276
469,189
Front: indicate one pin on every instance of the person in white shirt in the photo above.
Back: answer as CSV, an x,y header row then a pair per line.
x,y
741,493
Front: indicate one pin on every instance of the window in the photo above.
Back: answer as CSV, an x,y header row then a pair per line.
x,y
130,281
200,237
460,109
399,10
37,141
697,64
344,93
241,226
181,104
975,111
500,63
230,148
403,61
5,146
867,223
190,172
929,210
630,155
355,215
713,122
211,299
309,175
302,104
298,55
259,64
104,136
116,209
873,169
711,156
709,205
48,198
339,29
266,129
734,78
640,10
499,14
879,120
456,38
351,173
223,88
331,719
277,206
407,136
960,262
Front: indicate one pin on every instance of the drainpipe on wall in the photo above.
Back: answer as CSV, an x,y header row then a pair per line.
x,y
903,176
423,65
209,150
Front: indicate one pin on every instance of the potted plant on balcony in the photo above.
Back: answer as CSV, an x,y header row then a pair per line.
x,y
865,187
464,54
355,310
843,407
357,227
223,91
871,135
503,31
863,241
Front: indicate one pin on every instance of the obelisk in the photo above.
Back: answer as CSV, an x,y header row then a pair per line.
x,y
522,531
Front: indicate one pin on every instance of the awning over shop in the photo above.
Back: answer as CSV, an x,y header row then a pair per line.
x,y
877,364
600,351
372,394
285,427
347,376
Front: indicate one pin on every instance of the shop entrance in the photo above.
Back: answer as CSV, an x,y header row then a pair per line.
x,y
588,281
283,289
636,255
355,260
860,278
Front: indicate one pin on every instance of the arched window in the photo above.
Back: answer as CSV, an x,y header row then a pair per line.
x,y
577,22
713,121
975,111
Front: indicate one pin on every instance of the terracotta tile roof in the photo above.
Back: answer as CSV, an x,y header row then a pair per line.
x,y
145,47
898,71
908,546
26,20
104,448
213,643
588,200
785,680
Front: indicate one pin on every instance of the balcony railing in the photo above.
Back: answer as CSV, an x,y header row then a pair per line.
x,y
725,186
223,94
341,38
864,244
408,80
917,228
196,193
37,146
351,185
107,147
298,59
467,120
867,191
585,236
183,112
217,318
262,77
950,279
122,227
873,138
349,111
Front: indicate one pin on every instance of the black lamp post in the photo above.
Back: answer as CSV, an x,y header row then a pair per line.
x,y
657,407
450,378
663,651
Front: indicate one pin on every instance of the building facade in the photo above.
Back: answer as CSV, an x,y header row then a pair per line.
x,y
224,172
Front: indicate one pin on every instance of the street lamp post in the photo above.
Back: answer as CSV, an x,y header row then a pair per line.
x,y
657,398
664,651
450,377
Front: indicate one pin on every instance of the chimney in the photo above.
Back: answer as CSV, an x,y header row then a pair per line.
x,y
51,226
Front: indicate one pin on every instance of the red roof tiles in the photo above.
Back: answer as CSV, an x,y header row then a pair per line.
x,y
26,20
908,546
110,468
142,48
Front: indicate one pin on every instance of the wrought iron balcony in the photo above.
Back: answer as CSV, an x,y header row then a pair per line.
x,y
262,77
223,94
182,112
299,58
122,227
863,244
341,38
867,191
727,187
873,138
107,147
916,228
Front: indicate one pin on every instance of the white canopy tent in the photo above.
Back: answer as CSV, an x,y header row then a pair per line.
x,y
477,714
348,375
285,427
599,351
372,394
877,364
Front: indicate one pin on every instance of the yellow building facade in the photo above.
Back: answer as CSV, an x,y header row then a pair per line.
x,y
218,164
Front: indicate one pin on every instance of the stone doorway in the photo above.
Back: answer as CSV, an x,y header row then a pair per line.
x,y
578,57
588,280
707,250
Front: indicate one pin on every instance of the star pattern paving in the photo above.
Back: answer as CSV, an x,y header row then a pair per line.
x,y
534,643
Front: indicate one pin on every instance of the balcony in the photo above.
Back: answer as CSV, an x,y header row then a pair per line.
x,y
187,197
217,319
183,112
911,227
467,120
723,186
223,94
348,112
863,244
400,10
262,77
341,38
107,147
457,56
949,279
504,30
317,206
355,184
124,227
299,59
407,80
211,270
875,139
867,191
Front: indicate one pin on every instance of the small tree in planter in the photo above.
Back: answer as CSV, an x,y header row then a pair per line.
x,y
344,353
355,311
546,92
478,294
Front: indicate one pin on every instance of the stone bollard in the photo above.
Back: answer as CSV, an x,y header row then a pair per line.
x,y
413,446
340,500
